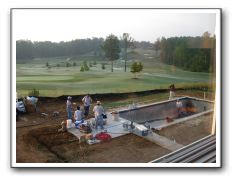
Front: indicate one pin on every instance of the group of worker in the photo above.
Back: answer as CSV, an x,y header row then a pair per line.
x,y
98,110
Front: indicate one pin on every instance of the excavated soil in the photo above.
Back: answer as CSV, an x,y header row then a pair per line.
x,y
125,149
37,139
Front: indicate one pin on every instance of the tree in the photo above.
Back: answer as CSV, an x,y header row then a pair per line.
x,y
111,48
157,45
86,68
127,42
136,67
103,66
82,69
24,50
195,54
47,64
74,64
68,64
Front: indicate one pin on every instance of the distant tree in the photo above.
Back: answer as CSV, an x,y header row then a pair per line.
x,y
111,47
195,54
74,64
34,93
157,46
86,68
90,64
94,63
127,41
57,65
136,67
103,66
82,69
140,66
68,64
24,50
206,40
47,64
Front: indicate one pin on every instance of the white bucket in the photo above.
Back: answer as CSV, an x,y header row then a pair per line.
x,y
115,116
69,123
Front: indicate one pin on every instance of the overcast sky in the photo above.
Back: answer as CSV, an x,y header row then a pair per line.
x,y
142,25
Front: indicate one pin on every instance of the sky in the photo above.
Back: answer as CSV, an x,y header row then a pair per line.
x,y
142,24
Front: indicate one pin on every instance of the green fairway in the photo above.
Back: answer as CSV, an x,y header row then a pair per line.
x,y
56,81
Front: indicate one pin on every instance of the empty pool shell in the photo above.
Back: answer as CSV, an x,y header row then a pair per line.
x,y
160,111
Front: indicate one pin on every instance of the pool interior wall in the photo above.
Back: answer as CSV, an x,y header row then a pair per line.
x,y
162,110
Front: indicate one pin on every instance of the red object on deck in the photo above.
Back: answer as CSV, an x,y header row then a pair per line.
x,y
103,136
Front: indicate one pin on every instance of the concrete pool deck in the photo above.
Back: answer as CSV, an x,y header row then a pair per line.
x,y
114,126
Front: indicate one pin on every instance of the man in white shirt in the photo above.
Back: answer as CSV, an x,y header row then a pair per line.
x,y
78,114
98,111
87,102
179,106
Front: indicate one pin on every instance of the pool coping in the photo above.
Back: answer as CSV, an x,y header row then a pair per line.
x,y
162,102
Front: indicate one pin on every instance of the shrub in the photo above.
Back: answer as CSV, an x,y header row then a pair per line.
x,y
34,93
103,66
86,68
82,69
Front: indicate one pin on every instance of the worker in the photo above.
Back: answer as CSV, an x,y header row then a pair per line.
x,y
69,107
172,91
98,112
87,102
78,114
179,107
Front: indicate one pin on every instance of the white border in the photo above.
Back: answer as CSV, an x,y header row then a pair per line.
x,y
217,105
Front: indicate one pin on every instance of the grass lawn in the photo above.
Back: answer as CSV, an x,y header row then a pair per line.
x,y
62,80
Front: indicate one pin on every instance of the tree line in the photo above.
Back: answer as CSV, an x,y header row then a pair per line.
x,y
27,49
195,54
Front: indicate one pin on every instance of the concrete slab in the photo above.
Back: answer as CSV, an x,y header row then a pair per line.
x,y
113,127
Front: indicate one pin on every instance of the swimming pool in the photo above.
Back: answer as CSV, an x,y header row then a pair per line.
x,y
162,110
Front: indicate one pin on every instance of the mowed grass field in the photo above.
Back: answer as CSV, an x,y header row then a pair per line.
x,y
57,81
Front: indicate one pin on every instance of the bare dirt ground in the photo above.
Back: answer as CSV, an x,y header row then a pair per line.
x,y
189,131
37,140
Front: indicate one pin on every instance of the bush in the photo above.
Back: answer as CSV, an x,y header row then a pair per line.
x,y
86,68
74,64
136,67
82,69
103,66
34,93
68,64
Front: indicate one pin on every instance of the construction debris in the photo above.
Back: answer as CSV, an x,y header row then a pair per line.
x,y
44,114
55,113
63,127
